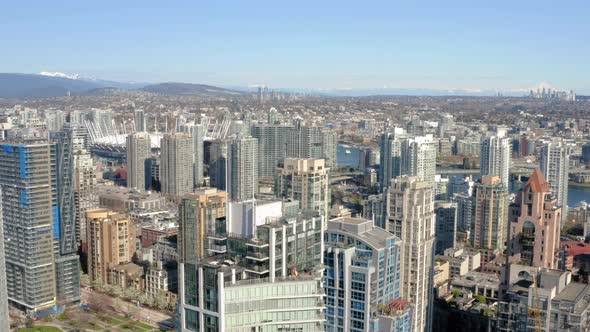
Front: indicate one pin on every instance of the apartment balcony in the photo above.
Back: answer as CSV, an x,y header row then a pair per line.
x,y
218,249
257,256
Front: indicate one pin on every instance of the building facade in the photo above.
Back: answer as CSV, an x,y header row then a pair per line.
x,y
495,157
139,150
176,169
555,166
535,223
410,217
242,169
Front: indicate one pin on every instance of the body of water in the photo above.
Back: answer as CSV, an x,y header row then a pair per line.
x,y
347,159
575,194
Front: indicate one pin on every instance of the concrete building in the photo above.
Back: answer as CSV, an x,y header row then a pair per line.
x,y
374,209
390,156
363,270
495,157
272,147
535,223
111,242
85,196
176,169
4,318
330,147
139,150
197,132
28,218
121,199
242,169
464,211
139,120
410,216
555,157
546,300
306,181
418,158
446,225
461,261
304,141
159,279
218,164
490,218
198,216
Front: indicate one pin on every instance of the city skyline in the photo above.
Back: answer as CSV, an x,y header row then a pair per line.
x,y
503,47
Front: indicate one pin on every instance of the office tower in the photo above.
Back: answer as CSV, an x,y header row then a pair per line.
x,y
239,290
330,147
79,135
176,170
139,149
139,120
218,164
363,271
307,181
535,222
67,266
4,318
111,241
490,217
410,217
25,178
586,153
418,158
555,157
464,211
242,169
197,219
272,147
495,157
390,157
446,225
84,190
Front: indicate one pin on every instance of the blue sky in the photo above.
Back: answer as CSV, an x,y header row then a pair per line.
x,y
305,44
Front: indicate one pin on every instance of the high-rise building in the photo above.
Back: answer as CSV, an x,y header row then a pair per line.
x,y
85,196
267,281
304,141
307,181
242,169
374,209
464,211
152,174
535,222
176,169
197,219
555,157
330,147
25,178
67,266
111,241
363,272
139,149
139,120
218,164
490,218
418,158
446,225
272,147
495,157
410,217
197,132
4,317
390,156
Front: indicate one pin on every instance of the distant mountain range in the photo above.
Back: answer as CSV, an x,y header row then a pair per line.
x,y
46,85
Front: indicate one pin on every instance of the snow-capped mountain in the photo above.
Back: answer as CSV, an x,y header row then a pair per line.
x,y
59,74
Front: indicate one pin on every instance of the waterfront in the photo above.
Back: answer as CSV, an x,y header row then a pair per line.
x,y
576,194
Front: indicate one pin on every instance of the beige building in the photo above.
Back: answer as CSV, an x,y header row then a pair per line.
x,y
489,232
307,181
410,216
111,241
122,199
197,214
535,225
